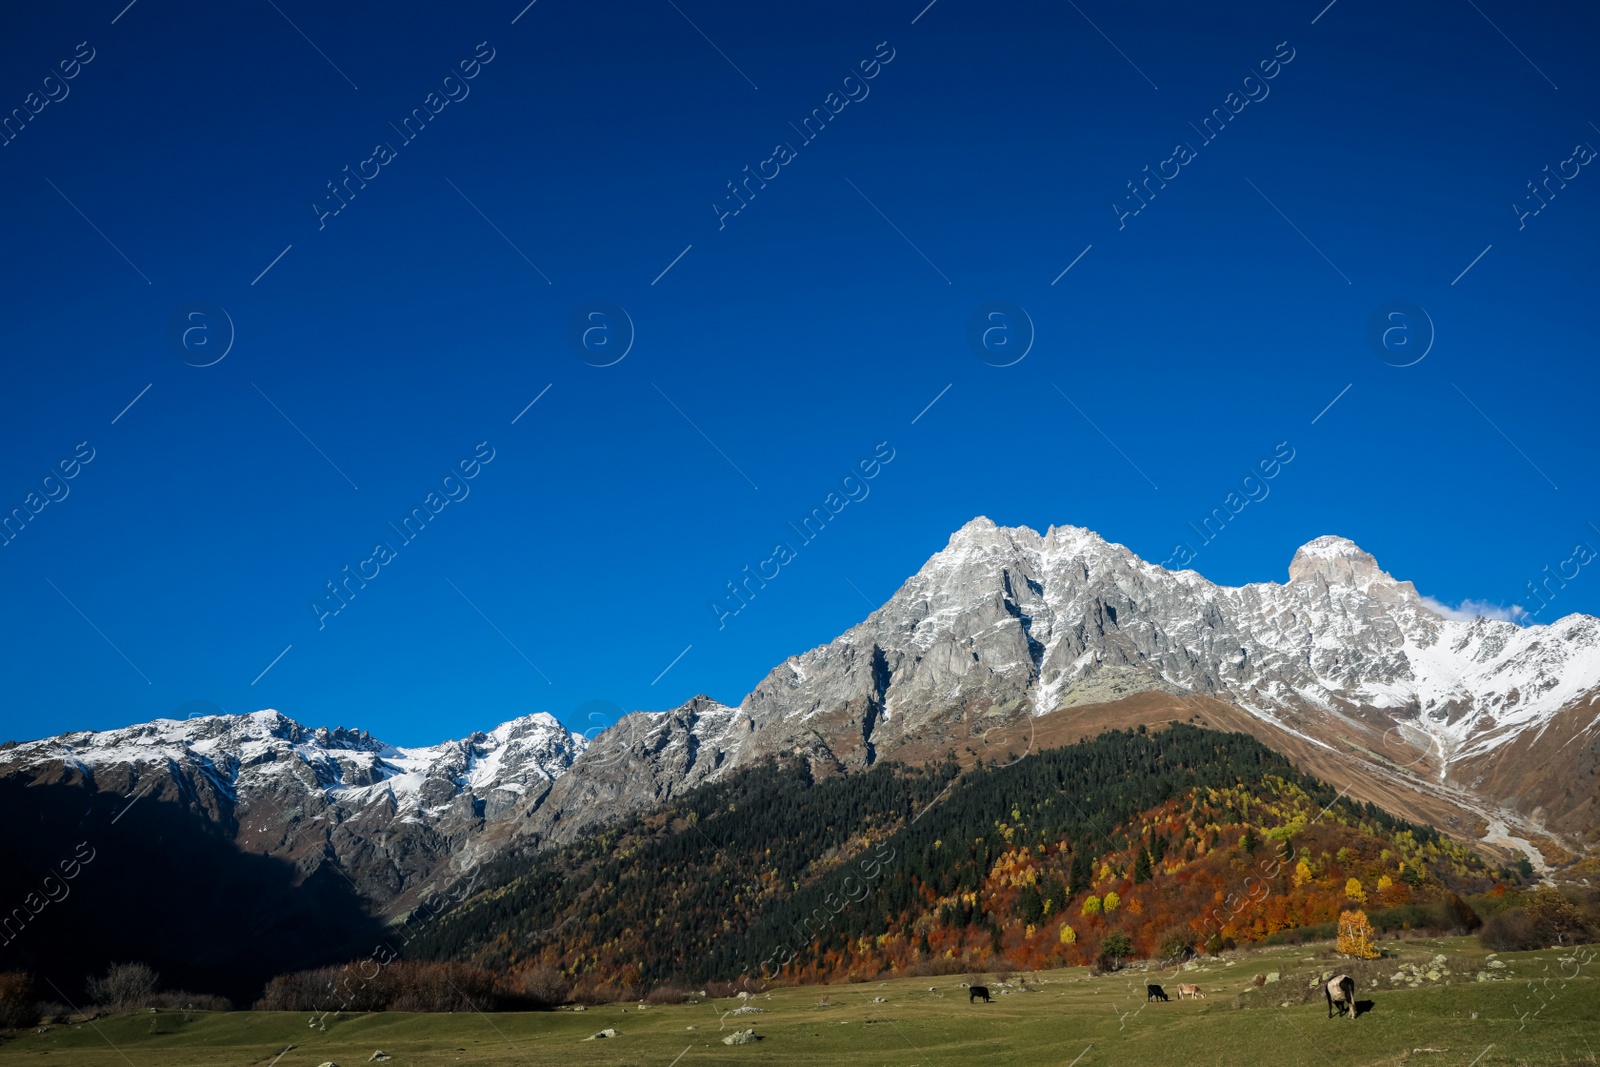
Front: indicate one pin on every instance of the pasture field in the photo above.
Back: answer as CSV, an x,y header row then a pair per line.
x,y
1065,1018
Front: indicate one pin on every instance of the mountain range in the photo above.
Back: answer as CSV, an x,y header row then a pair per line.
x,y
1006,641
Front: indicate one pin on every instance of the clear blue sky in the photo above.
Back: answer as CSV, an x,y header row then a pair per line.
x,y
582,159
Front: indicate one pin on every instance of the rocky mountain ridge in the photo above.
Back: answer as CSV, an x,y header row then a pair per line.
x,y
1006,625
385,816
1004,634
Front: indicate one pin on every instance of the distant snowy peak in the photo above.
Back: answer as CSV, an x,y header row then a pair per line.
x,y
1337,561
239,751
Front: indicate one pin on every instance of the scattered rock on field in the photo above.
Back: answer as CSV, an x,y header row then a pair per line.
x,y
741,1037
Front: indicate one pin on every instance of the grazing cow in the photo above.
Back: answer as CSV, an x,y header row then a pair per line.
x,y
974,992
1155,992
1187,990
1341,990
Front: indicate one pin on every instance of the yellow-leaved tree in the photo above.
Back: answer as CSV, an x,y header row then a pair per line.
x,y
1068,934
1111,902
1353,890
1355,936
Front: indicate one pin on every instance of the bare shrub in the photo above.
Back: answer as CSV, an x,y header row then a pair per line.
x,y
367,986
435,987
125,986
299,991
1558,920
592,991
937,967
544,987
1175,942
667,994
1105,963
16,1000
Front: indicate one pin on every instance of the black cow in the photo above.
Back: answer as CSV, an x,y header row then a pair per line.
x,y
978,991
1154,992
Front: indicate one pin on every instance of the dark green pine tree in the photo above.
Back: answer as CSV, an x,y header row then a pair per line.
x,y
1081,870
1054,894
1032,905
1141,867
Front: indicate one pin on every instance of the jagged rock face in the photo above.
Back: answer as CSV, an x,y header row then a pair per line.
x,y
387,817
1005,620
645,759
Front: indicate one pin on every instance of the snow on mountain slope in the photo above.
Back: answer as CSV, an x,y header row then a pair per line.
x,y
242,752
1007,624
387,816
1004,622
1001,626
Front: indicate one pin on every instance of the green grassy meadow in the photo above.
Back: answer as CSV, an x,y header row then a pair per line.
x,y
1067,1018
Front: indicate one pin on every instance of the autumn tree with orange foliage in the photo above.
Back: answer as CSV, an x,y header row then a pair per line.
x,y
1355,936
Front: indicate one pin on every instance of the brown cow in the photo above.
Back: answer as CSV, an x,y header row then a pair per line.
x,y
1185,989
1341,990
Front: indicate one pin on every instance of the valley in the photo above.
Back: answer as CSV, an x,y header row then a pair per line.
x,y
1065,1016
1339,698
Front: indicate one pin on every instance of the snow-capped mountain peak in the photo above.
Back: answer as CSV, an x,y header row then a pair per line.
x,y
385,812
1342,654
1336,561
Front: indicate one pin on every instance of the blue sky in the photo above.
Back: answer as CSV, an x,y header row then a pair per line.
x,y
179,168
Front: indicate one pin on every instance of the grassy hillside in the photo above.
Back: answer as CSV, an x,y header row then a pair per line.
x,y
1068,1018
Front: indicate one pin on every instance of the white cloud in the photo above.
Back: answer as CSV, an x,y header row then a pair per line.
x,y
1470,609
